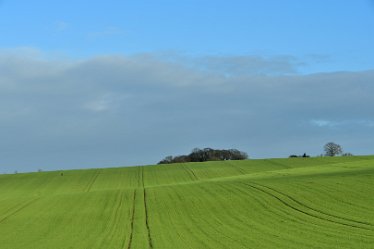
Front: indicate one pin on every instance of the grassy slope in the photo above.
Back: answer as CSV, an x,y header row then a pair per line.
x,y
277,203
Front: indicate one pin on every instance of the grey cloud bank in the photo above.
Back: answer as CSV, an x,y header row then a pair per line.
x,y
131,110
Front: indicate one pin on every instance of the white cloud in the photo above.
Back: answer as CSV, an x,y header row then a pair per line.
x,y
342,123
117,110
324,123
104,103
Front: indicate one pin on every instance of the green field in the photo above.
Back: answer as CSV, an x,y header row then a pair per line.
x,y
275,203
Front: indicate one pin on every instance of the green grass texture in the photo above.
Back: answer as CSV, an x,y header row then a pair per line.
x,y
269,203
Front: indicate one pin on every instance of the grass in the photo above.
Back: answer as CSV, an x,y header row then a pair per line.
x,y
274,203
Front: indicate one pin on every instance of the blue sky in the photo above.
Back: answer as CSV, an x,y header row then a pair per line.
x,y
326,35
107,83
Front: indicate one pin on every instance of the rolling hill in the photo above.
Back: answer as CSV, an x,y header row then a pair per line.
x,y
269,203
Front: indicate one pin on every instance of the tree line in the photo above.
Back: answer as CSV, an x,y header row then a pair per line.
x,y
331,149
207,154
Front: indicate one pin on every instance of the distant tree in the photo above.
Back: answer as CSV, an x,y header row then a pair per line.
x,y
180,159
168,159
305,155
206,154
197,155
347,154
332,149
238,155
295,156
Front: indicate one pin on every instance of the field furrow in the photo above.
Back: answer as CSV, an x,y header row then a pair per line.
x,y
357,222
91,183
146,212
18,209
308,211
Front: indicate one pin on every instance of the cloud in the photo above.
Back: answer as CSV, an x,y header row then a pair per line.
x,y
239,65
338,124
249,65
126,110
106,102
324,123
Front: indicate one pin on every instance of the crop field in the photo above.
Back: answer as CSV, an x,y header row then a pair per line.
x,y
270,203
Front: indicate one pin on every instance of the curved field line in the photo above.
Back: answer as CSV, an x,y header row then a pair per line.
x,y
326,191
212,219
240,170
239,220
288,212
9,209
215,220
132,221
316,210
146,212
270,207
305,212
187,226
19,209
89,186
196,227
193,173
173,222
190,171
116,213
110,231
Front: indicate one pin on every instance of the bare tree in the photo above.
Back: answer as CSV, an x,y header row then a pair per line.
x,y
332,149
166,160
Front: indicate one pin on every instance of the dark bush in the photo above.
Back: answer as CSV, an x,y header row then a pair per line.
x,y
296,156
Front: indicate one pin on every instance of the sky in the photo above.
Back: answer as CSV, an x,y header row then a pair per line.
x,y
88,84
